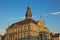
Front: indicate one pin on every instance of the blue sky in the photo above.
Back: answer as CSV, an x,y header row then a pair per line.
x,y
11,11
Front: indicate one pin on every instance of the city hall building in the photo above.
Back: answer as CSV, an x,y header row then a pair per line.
x,y
28,29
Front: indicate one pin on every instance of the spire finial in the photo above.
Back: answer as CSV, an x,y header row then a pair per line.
x,y
28,13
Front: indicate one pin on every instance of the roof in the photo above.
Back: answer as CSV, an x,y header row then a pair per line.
x,y
26,21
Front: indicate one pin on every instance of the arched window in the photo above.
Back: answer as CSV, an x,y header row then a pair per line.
x,y
42,36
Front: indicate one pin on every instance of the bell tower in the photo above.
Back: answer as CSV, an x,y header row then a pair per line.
x,y
28,13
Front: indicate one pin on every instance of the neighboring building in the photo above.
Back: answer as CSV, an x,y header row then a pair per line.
x,y
28,29
56,36
0,37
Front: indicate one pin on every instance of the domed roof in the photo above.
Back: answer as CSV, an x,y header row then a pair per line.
x,y
26,21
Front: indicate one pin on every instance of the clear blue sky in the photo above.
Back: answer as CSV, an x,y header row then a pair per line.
x,y
11,11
